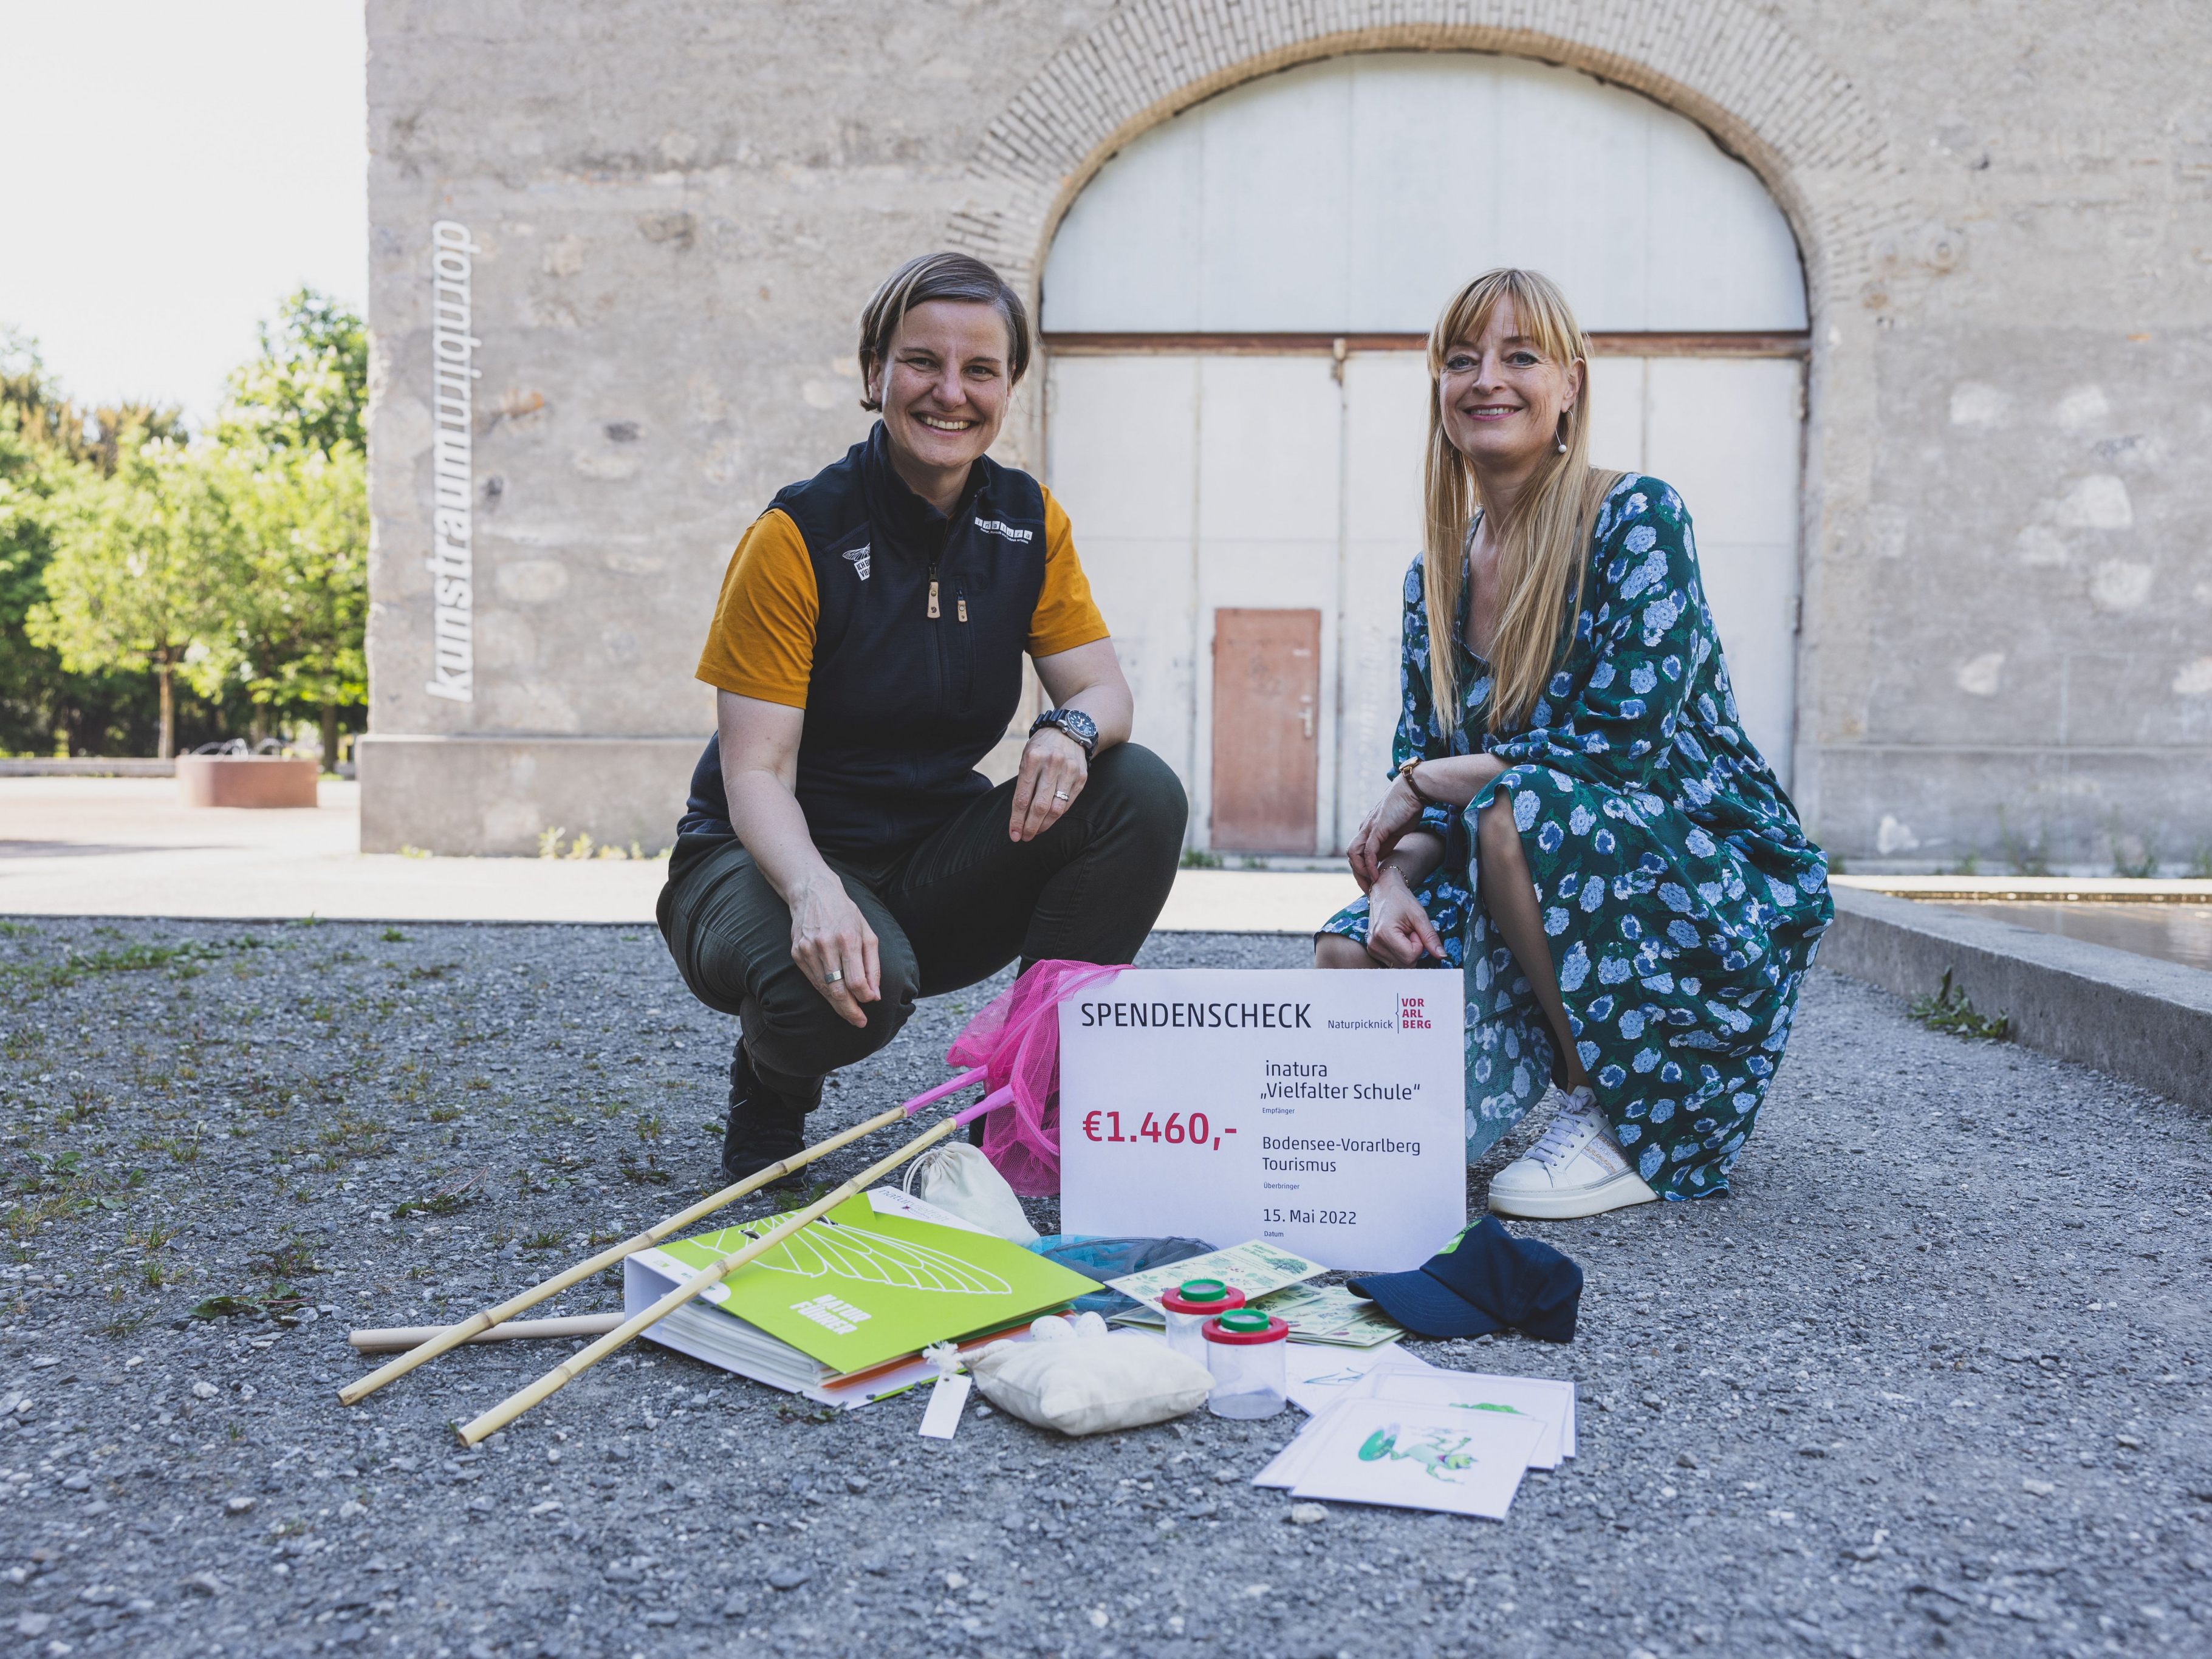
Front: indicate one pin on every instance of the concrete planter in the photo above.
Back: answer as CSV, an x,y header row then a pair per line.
x,y
245,781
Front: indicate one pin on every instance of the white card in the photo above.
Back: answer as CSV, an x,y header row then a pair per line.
x,y
1284,1467
1317,1377
1419,1457
1542,1399
1318,1112
940,1420
1287,1464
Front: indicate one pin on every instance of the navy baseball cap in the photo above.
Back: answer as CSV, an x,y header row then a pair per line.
x,y
1484,1280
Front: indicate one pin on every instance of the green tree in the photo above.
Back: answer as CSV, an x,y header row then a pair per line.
x,y
45,440
54,427
239,565
292,598
309,388
28,673
135,556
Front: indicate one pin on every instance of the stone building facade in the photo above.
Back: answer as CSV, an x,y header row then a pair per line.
x,y
618,249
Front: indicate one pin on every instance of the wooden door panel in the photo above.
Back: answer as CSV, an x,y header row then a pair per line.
x,y
1266,711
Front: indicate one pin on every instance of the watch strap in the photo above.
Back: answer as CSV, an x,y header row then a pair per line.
x,y
1072,723
1410,772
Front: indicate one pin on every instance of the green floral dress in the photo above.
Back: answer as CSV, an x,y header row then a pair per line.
x,y
1681,896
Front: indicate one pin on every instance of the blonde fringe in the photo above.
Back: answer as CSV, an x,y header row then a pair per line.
x,y
1543,550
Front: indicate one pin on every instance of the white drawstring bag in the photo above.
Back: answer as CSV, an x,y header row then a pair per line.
x,y
956,1176
1074,1377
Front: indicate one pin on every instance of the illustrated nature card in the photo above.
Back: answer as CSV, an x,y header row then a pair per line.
x,y
1547,1401
1419,1457
1317,1377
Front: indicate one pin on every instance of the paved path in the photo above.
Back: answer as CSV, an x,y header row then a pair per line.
x,y
1932,1380
123,846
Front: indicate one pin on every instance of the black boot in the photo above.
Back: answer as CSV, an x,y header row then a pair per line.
x,y
764,1126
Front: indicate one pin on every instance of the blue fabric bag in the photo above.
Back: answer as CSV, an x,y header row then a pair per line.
x,y
1113,1258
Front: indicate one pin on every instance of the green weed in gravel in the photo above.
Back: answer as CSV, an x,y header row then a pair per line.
x,y
446,1200
293,1259
184,961
1950,1010
352,1136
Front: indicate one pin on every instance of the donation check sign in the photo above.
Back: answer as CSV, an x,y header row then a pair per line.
x,y
1321,1111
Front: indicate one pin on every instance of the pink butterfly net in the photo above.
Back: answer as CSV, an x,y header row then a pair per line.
x,y
1013,1044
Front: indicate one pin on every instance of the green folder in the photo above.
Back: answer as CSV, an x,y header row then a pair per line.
x,y
858,1288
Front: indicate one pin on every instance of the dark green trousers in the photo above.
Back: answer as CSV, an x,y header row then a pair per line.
x,y
955,909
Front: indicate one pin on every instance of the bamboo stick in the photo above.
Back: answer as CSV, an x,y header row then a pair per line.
x,y
398,1338
576,1364
453,1335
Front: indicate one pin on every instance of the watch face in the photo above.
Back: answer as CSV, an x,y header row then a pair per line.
x,y
1074,723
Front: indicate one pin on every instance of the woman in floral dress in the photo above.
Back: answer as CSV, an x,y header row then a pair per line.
x,y
1588,834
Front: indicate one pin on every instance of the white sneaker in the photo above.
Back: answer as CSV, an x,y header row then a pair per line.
x,y
1576,1168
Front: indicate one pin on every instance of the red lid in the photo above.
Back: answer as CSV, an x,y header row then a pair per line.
x,y
1245,1327
1202,1296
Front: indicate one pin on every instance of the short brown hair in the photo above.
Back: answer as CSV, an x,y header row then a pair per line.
x,y
938,276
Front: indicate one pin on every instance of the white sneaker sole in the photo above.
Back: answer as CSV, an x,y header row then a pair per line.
x,y
1618,1193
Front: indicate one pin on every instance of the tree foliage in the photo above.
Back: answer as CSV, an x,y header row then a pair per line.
x,y
136,556
309,388
292,602
47,441
54,428
236,564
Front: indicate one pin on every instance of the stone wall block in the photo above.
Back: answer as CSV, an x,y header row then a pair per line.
x,y
668,195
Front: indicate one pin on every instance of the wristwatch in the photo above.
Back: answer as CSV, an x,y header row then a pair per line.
x,y
1073,722
1413,783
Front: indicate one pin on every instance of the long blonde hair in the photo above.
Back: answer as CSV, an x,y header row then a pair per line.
x,y
1543,550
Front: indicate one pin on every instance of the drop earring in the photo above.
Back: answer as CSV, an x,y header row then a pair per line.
x,y
1560,437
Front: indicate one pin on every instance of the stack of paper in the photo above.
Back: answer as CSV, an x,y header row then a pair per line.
x,y
1392,1429
1254,1268
840,1311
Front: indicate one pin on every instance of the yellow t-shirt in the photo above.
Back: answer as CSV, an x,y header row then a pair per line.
x,y
762,643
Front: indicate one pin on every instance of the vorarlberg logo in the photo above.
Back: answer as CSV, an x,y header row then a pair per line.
x,y
997,527
858,558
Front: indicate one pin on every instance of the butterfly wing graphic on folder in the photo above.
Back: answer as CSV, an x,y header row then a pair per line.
x,y
835,1251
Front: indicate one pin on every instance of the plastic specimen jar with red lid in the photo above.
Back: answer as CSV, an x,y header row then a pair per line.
x,y
1245,1351
1190,1305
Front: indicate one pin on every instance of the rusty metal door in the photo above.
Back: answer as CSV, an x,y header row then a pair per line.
x,y
1266,704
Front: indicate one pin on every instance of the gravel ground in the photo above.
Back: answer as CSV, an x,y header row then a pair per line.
x,y
1933,1379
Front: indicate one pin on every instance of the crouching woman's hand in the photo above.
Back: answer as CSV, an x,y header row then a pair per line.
x,y
835,947
1399,933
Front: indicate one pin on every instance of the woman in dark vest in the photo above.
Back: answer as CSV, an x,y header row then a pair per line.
x,y
840,855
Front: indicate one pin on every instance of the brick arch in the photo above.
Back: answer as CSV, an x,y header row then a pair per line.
x,y
1726,65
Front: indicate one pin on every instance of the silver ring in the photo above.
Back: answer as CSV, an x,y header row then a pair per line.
x,y
832,978
1060,794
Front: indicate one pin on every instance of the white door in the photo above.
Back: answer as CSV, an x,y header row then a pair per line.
x,y
1386,418
1269,482
1197,485
1131,486
1339,199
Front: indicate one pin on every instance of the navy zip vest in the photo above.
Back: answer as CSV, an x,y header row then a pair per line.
x,y
917,645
